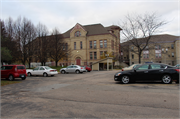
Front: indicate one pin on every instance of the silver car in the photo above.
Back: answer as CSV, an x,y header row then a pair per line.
x,y
72,68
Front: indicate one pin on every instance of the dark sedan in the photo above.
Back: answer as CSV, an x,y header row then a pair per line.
x,y
149,72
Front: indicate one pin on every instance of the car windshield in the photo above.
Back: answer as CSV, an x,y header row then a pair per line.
x,y
48,67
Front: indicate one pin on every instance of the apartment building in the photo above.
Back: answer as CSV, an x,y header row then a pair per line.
x,y
161,49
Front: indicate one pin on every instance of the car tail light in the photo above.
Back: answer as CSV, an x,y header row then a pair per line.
x,y
178,70
51,70
122,69
81,68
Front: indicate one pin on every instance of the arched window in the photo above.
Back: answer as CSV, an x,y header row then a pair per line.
x,y
77,34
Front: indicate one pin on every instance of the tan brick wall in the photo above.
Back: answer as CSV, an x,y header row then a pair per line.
x,y
177,48
166,57
84,53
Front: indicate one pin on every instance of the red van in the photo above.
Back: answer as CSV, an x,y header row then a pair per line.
x,y
13,71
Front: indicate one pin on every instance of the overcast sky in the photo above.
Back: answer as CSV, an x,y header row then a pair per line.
x,y
64,14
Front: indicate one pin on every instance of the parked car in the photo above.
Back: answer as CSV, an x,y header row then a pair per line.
x,y
177,65
42,70
13,71
87,69
130,67
72,68
149,72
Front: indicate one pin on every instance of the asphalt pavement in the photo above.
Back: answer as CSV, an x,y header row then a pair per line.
x,y
89,95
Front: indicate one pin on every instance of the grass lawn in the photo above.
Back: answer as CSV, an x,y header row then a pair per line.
x,y
6,82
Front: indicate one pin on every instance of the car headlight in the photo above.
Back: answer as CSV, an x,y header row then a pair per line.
x,y
118,74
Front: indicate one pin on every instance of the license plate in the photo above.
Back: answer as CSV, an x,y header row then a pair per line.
x,y
22,75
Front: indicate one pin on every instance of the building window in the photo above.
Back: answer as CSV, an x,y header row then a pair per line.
x,y
101,53
91,55
132,56
105,43
132,48
158,55
95,56
112,44
101,44
105,52
172,63
81,45
77,34
172,54
90,44
74,45
132,62
158,47
112,53
95,44
146,56
66,46
172,46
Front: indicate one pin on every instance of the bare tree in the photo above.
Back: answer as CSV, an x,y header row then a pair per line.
x,y
31,36
10,42
5,52
42,43
58,47
139,29
25,32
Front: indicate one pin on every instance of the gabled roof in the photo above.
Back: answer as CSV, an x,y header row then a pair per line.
x,y
94,29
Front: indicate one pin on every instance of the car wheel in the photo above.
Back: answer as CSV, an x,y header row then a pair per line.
x,y
125,79
63,72
24,78
29,74
77,71
11,78
166,79
45,74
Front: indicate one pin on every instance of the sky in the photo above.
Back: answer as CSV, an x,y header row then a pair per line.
x,y
65,14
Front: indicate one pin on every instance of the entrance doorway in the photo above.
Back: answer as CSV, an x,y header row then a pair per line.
x,y
78,61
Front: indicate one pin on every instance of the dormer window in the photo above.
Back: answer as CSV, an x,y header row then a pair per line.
x,y
77,34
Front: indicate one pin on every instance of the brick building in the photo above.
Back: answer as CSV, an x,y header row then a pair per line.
x,y
89,42
161,49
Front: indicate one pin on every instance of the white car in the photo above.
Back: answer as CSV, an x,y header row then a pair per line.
x,y
72,68
42,70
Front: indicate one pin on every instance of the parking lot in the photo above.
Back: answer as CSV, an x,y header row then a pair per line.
x,y
89,95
